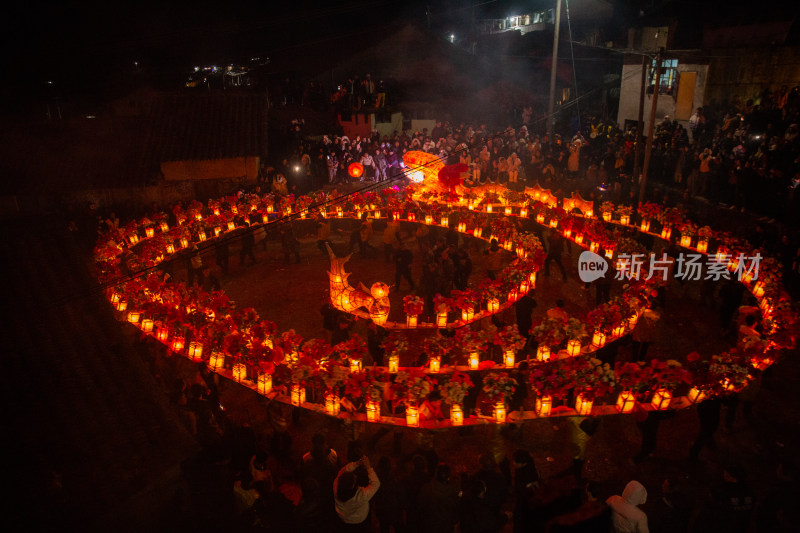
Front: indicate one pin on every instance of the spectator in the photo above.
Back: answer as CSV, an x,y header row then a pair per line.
x,y
389,500
352,501
626,516
438,503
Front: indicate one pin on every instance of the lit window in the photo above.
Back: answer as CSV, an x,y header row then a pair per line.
x,y
668,78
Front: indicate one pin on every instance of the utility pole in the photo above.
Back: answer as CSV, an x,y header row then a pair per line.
x,y
637,151
551,104
650,127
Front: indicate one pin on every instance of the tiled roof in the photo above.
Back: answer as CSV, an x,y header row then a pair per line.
x,y
209,126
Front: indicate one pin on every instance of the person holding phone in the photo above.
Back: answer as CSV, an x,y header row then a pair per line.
x,y
352,501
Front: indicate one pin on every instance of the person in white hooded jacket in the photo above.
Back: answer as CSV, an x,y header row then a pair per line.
x,y
627,517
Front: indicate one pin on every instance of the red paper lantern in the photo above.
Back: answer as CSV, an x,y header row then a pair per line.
x,y
355,170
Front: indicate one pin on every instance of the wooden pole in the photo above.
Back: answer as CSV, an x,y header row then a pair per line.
x,y
553,66
650,127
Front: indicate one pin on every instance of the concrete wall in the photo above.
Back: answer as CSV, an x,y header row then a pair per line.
x,y
388,128
631,85
745,73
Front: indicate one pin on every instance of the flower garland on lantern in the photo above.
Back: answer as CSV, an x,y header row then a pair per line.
x,y
498,386
413,305
456,388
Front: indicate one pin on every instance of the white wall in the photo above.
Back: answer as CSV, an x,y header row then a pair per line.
x,y
631,86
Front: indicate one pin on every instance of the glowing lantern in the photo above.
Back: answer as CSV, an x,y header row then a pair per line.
x,y
702,246
412,416
195,351
583,405
761,364
456,415
445,221
553,223
115,298
609,253
500,413
198,217
122,305
513,294
265,384
379,290
474,360
162,333
394,364
540,218
216,211
467,315
686,240
332,405
411,321
508,358
177,344
696,395
666,233
412,217
435,364
661,400
599,339
624,220
164,227
356,170
355,366
544,405
133,238
373,411
133,316
298,394
441,319
147,325
567,233
522,253
170,248
477,232
625,402
645,225
216,361
231,226
150,231
758,289
396,215
462,227
523,212
428,219
579,238
202,236
493,305
524,286
184,242
379,314
632,321
265,217
270,209
573,347
594,246
607,216
217,231
239,372
508,245
489,208
543,353
619,330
